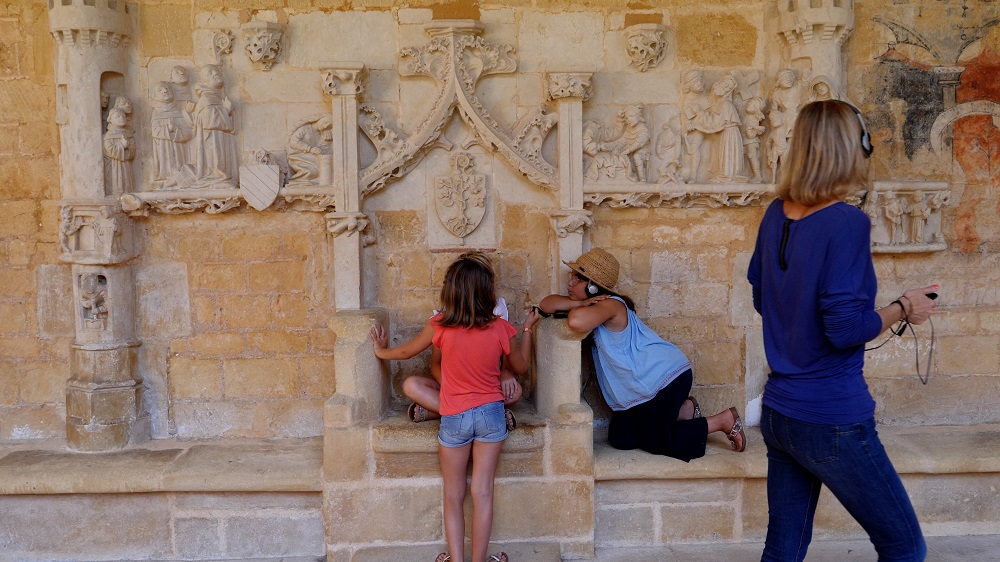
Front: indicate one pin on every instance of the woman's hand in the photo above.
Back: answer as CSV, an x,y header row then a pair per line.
x,y
918,305
533,317
508,385
594,300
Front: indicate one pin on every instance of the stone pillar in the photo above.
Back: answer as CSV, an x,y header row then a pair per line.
x,y
345,85
815,32
569,90
103,409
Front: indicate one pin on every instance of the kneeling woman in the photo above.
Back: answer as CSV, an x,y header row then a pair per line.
x,y
645,379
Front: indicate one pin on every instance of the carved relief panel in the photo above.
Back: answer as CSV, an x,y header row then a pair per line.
x,y
906,216
95,234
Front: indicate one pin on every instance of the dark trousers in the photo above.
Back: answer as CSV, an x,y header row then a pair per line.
x,y
653,427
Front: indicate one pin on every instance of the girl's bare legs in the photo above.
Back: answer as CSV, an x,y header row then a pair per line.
x,y
424,391
484,469
454,462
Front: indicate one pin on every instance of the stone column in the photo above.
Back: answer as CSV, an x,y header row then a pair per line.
x,y
345,85
815,32
569,90
103,409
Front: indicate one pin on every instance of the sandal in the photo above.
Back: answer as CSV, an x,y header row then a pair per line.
x,y
737,431
511,422
500,556
417,413
443,557
697,409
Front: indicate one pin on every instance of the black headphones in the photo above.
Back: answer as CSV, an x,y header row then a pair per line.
x,y
866,138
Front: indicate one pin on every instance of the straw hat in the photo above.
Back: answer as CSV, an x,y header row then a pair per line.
x,y
598,266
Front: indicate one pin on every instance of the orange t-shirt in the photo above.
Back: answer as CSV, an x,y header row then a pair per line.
x,y
470,363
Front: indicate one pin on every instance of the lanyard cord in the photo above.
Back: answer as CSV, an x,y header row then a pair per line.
x,y
924,377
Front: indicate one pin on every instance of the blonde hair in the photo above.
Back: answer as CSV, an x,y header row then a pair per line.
x,y
824,161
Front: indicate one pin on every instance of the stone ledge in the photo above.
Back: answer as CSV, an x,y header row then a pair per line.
x,y
913,449
287,465
397,434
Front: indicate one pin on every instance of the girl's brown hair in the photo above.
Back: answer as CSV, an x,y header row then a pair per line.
x,y
468,295
824,161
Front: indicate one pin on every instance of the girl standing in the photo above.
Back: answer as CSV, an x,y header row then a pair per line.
x,y
472,340
814,286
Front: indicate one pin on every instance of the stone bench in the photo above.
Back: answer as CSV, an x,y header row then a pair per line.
x,y
952,474
166,500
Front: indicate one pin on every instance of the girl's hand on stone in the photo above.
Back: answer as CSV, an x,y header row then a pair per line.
x,y
380,339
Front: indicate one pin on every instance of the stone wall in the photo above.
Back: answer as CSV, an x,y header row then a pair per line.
x,y
233,307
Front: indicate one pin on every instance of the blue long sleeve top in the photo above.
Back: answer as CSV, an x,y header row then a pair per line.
x,y
814,286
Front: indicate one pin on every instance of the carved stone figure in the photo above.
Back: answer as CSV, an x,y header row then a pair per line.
x,y
785,101
752,129
309,148
93,300
894,210
821,89
180,85
214,157
530,133
108,232
624,152
119,151
694,102
69,225
170,128
919,213
722,121
668,150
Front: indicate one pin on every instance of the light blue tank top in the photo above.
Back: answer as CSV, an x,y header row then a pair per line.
x,y
634,364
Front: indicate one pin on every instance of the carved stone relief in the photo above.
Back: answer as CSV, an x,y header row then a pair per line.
x,y
93,301
460,199
906,216
222,44
94,234
171,129
646,45
569,85
621,151
309,151
263,42
119,151
785,100
214,156
260,181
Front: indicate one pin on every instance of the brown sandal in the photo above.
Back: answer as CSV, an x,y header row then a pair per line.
x,y
499,557
737,431
443,557
697,409
511,421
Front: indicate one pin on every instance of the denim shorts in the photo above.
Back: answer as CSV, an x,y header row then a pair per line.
x,y
485,423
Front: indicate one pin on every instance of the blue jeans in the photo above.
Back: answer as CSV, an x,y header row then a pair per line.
x,y
486,423
850,461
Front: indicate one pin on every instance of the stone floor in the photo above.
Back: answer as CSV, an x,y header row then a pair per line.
x,y
976,548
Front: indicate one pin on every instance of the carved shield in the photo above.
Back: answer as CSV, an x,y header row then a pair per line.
x,y
259,184
460,200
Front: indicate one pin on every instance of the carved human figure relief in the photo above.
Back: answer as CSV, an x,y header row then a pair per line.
x,y
309,150
69,224
93,301
785,101
919,212
119,151
180,84
668,151
894,208
694,102
460,200
171,129
108,232
646,45
821,89
623,153
214,158
722,121
752,130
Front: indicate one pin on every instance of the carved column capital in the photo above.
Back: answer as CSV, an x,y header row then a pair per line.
x,y
570,221
562,85
263,42
347,80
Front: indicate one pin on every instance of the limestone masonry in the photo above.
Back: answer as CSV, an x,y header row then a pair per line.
x,y
206,204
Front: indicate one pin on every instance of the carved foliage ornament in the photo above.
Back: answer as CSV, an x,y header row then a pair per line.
x,y
263,42
344,82
456,58
460,200
646,45
569,85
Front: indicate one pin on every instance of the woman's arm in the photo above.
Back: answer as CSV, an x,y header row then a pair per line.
x,y
596,311
914,306
380,341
